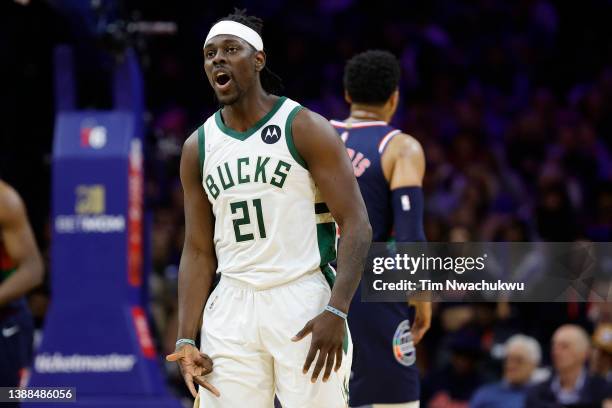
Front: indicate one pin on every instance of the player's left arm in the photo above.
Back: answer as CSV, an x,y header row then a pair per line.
x,y
404,167
20,245
326,158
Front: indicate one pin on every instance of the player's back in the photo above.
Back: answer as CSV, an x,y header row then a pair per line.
x,y
365,143
384,357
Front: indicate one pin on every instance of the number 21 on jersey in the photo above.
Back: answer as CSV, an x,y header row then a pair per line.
x,y
244,218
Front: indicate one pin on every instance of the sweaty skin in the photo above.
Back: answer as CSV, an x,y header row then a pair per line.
x,y
18,239
245,102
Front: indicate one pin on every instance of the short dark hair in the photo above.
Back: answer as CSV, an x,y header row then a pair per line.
x,y
270,82
371,77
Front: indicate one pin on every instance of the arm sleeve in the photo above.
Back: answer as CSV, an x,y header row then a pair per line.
x,y
408,214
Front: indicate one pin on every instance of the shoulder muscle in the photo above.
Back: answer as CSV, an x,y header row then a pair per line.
x,y
311,129
404,162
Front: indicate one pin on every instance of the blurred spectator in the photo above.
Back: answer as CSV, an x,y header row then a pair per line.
x,y
522,356
570,384
453,384
601,357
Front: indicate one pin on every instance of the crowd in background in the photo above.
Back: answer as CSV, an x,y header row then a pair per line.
x,y
512,102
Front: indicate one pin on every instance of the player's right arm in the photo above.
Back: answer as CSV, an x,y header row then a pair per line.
x,y
20,245
196,270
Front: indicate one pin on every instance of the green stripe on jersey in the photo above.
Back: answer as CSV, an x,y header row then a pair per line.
x,y
201,149
345,341
326,238
289,137
329,275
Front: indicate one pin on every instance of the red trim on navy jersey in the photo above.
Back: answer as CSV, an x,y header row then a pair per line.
x,y
357,125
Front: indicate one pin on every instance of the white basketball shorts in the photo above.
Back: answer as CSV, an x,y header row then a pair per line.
x,y
247,333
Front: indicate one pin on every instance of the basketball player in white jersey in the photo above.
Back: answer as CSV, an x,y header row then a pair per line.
x,y
263,180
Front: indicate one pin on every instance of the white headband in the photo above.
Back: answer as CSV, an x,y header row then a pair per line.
x,y
239,30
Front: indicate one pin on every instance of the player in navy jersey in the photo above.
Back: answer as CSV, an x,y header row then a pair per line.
x,y
20,270
389,166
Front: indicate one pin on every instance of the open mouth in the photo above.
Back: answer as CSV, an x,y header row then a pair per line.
x,y
222,79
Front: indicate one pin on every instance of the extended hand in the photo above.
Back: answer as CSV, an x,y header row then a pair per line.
x,y
328,332
194,366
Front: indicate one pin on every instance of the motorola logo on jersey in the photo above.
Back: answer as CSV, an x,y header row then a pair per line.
x,y
94,137
271,134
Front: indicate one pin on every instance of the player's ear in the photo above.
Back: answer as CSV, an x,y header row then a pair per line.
x,y
260,60
347,97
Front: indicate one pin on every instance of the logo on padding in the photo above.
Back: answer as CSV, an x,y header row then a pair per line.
x,y
271,134
94,137
403,346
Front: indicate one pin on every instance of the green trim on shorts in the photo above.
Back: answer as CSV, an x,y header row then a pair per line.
x,y
329,275
326,240
345,341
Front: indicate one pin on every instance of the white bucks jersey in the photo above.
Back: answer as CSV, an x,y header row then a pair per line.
x,y
270,225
